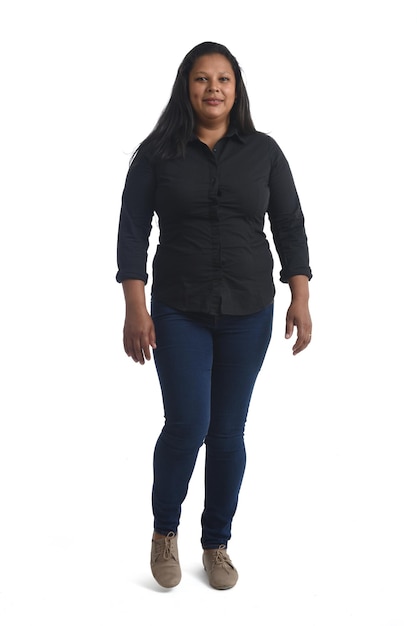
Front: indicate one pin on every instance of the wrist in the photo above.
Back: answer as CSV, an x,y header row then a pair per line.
x,y
299,289
134,293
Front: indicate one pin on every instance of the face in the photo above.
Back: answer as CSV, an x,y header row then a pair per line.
x,y
212,89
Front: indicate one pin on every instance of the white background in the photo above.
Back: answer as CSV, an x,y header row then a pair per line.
x,y
325,531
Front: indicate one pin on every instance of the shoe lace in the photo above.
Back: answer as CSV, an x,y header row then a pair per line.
x,y
167,552
222,558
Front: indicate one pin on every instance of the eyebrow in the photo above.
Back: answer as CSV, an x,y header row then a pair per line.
x,y
205,72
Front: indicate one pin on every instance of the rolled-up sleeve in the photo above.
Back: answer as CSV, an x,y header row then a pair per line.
x,y
135,221
287,219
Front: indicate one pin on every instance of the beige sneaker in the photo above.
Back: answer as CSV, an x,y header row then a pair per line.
x,y
220,569
165,563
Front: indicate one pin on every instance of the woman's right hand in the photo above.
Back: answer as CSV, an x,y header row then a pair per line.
x,y
139,335
139,331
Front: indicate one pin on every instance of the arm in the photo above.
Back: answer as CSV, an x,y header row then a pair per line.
x,y
298,313
135,221
132,246
287,219
287,225
138,331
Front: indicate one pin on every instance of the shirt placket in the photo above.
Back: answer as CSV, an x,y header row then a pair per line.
x,y
214,215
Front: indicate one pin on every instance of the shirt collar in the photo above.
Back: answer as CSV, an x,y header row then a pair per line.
x,y
232,132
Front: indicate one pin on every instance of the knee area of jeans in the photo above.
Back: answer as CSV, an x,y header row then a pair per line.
x,y
181,440
222,443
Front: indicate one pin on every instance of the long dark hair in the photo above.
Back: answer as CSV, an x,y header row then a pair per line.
x,y
176,123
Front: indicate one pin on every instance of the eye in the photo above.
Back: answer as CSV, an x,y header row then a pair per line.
x,y
201,78
224,79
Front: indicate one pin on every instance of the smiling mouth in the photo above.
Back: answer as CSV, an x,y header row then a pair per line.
x,y
213,101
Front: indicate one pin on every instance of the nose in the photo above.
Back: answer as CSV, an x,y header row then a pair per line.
x,y
212,87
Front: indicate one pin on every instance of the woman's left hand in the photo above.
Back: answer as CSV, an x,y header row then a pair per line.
x,y
298,315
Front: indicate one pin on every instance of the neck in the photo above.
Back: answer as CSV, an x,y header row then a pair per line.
x,y
210,135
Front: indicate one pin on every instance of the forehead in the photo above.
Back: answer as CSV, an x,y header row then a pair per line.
x,y
212,63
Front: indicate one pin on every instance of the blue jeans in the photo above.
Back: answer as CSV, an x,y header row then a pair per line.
x,y
207,367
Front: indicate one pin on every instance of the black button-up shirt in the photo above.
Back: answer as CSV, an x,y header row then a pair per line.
x,y
213,255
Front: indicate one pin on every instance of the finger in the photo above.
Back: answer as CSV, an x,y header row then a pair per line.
x,y
146,351
138,352
128,348
148,343
303,340
152,339
289,329
133,350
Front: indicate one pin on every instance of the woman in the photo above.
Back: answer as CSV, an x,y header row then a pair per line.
x,y
211,178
